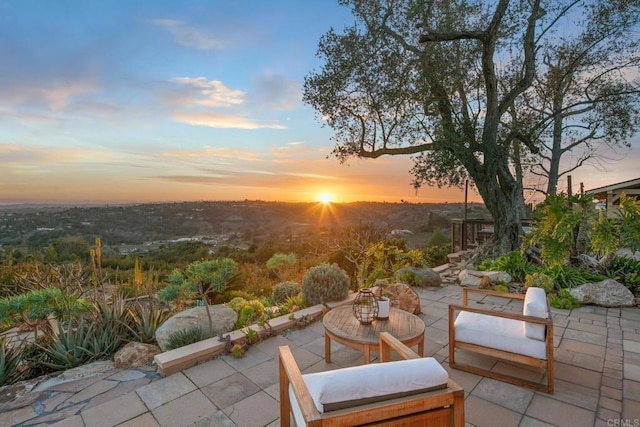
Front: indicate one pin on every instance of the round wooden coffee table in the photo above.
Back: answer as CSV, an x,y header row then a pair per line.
x,y
342,326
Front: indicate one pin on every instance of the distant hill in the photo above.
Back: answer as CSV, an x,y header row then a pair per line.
x,y
34,226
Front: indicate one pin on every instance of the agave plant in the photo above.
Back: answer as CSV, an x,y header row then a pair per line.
x,y
111,318
10,371
72,347
144,320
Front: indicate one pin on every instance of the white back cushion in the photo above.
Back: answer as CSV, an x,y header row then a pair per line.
x,y
358,385
535,304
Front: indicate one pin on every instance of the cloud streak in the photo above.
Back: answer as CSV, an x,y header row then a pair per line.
x,y
214,120
207,93
189,35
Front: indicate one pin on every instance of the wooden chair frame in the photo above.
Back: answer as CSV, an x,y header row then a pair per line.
x,y
444,407
547,364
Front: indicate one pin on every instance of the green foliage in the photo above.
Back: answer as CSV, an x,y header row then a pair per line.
x,y
35,306
251,335
144,320
539,280
620,231
436,255
110,325
279,259
34,356
248,310
67,249
292,304
514,263
563,300
10,371
185,337
501,287
555,225
172,292
405,276
246,316
199,279
569,277
626,270
323,283
237,351
284,290
438,238
72,347
384,258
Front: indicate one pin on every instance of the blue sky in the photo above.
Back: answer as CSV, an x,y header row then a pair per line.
x,y
135,101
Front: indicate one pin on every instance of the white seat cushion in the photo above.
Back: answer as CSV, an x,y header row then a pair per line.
x,y
535,304
359,385
497,332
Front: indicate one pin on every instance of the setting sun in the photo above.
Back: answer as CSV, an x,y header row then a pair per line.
x,y
325,198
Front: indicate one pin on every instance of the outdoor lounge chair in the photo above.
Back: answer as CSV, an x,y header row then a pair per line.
x,y
525,338
415,391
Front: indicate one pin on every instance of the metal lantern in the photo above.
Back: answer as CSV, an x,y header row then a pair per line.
x,y
365,307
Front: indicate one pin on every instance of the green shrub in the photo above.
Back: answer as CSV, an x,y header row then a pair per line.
x,y
248,311
185,337
325,282
626,270
246,316
284,290
292,304
436,255
563,300
539,280
438,239
405,276
555,222
569,277
514,263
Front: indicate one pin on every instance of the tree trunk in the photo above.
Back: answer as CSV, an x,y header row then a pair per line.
x,y
502,203
556,148
517,161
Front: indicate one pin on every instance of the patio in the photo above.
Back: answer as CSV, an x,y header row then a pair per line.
x,y
597,371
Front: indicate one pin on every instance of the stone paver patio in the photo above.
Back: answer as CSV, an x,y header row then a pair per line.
x,y
597,371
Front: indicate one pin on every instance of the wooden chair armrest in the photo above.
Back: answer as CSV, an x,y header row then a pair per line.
x,y
488,292
388,342
506,315
290,375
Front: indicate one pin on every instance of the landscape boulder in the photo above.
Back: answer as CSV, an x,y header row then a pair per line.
x,y
135,355
421,277
607,293
224,320
401,296
477,279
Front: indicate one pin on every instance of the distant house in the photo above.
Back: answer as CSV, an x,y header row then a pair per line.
x,y
609,196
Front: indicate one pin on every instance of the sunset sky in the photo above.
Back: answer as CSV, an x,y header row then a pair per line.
x,y
145,101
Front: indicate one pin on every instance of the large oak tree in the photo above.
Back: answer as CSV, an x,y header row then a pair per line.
x,y
437,80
